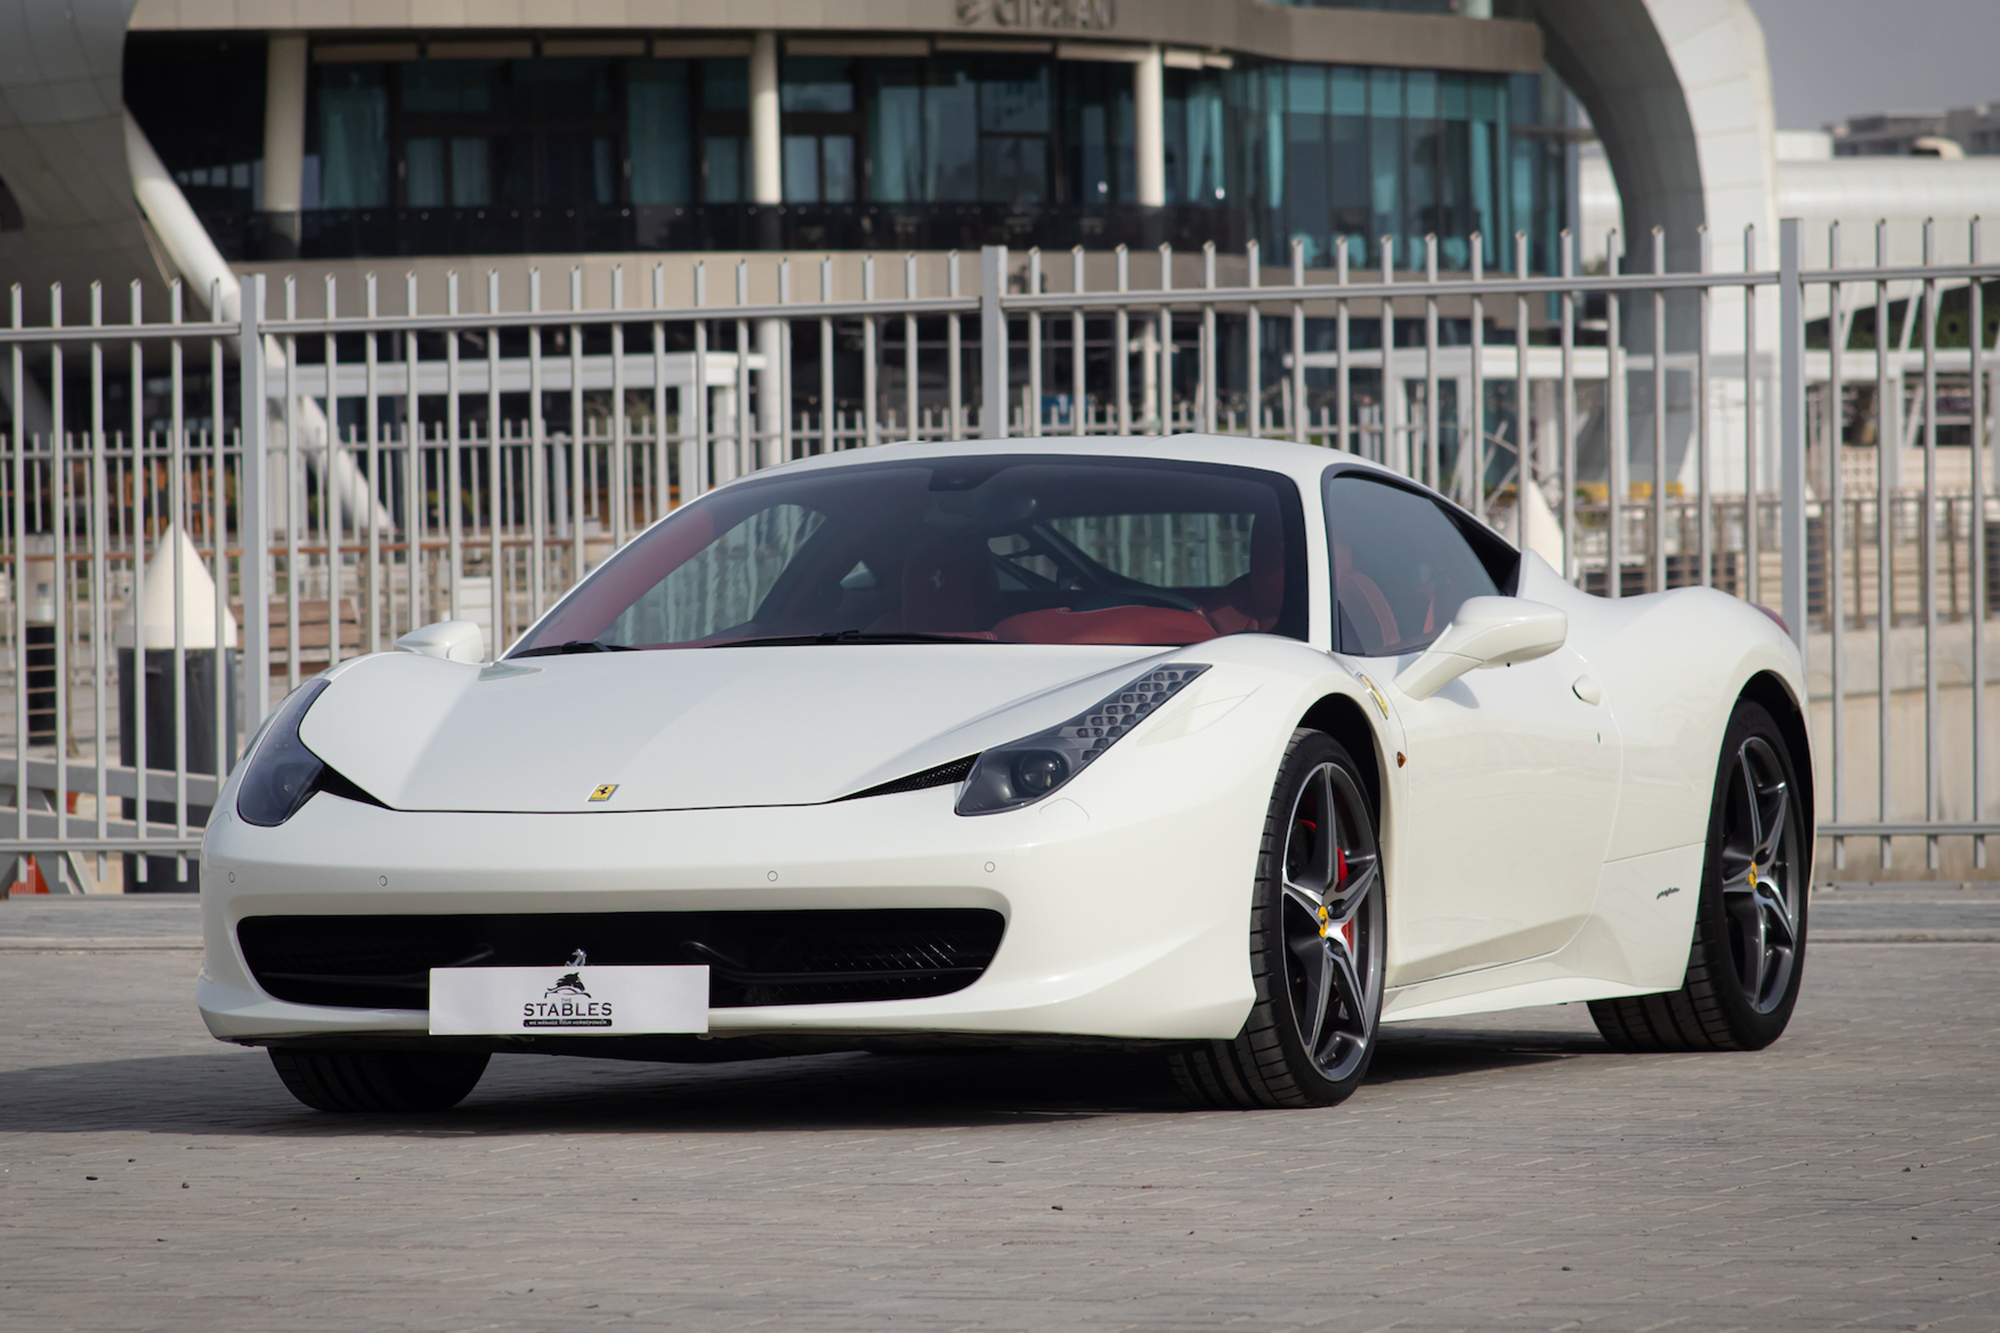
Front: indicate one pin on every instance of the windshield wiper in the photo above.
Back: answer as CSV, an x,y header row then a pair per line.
x,y
847,636
574,646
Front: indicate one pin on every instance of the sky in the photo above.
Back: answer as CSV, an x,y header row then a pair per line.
x,y
1831,59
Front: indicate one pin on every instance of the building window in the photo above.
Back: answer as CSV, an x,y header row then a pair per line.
x,y
724,130
968,130
1334,155
821,126
353,136
1099,134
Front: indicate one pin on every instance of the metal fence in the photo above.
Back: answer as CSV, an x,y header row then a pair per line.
x,y
209,511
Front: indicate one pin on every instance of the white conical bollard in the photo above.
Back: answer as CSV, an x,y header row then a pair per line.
x,y
196,599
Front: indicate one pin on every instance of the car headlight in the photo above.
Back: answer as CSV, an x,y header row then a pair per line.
x,y
1023,772
283,774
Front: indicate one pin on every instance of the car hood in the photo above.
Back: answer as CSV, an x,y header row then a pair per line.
x,y
691,729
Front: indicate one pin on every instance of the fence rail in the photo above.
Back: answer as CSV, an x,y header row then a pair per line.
x,y
197,514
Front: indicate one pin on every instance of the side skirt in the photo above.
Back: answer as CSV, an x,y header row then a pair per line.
x,y
1634,942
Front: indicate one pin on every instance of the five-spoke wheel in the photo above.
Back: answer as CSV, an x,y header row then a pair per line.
x,y
1316,942
1748,952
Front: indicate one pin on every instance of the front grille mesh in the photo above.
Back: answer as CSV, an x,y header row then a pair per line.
x,y
754,958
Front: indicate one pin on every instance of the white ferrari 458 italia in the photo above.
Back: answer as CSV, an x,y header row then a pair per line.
x,y
1231,749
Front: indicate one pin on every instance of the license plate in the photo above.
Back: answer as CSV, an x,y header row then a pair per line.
x,y
567,1001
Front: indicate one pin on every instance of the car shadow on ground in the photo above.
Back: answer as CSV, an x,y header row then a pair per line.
x,y
235,1091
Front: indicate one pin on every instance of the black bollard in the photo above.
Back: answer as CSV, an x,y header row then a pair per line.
x,y
161,751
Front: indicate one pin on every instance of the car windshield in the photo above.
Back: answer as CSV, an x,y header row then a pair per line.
x,y
992,548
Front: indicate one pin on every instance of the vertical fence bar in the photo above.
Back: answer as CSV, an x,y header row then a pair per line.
x,y
1704,304
1254,339
253,522
454,434
1524,471
955,371
1433,416
871,341
1835,527
1885,555
1210,387
330,525
371,577
536,508
663,477
142,478
1792,425
100,537
992,343
1476,382
697,440
1976,324
1121,349
1617,404
1343,346
1658,561
177,506
1298,343
1396,452
1752,584
910,348
1572,566
827,397
579,508
413,482
1166,339
59,562
496,568
1928,529
295,509
17,441
1079,361
621,463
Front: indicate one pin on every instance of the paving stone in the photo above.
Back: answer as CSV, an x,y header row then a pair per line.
x,y
1506,1172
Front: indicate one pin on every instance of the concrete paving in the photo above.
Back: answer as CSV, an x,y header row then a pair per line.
x,y
1507,1172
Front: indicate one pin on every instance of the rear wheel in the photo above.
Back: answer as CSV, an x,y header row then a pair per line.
x,y
1750,925
378,1080
1316,939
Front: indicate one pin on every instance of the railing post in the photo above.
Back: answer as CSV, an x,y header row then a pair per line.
x,y
253,522
1792,424
992,343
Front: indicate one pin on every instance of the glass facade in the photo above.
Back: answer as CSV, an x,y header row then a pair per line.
x,y
435,155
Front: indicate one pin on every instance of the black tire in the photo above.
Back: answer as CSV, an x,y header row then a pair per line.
x,y
1749,948
378,1080
1317,931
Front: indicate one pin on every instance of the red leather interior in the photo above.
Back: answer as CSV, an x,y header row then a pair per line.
x,y
949,586
1361,596
1113,624
1251,604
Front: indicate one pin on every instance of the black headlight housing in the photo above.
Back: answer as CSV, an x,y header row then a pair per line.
x,y
283,774
1007,777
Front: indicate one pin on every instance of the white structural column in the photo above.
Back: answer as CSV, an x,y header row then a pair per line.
x,y
767,188
285,131
1149,97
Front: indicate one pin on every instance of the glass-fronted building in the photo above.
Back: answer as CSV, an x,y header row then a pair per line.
x,y
439,143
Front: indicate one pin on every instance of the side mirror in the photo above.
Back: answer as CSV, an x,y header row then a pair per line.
x,y
1486,632
452,640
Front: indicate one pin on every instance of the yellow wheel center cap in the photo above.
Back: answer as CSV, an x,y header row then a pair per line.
x,y
1753,874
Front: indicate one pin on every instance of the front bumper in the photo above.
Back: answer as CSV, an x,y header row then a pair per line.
x,y
1125,921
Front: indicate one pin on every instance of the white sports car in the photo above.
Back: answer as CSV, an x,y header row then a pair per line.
x,y
1237,749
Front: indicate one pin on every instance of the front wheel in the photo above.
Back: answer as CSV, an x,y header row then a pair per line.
x,y
1316,943
1749,947
370,1080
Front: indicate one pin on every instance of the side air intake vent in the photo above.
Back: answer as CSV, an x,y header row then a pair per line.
x,y
944,775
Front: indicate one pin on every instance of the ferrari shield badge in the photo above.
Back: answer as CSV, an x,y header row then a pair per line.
x,y
603,793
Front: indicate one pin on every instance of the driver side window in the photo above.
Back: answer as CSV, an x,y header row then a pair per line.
x,y
1402,565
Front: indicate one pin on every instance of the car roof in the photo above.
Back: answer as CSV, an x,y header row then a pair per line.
x,y
1302,462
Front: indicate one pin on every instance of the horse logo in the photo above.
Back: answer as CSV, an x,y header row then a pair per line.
x,y
569,983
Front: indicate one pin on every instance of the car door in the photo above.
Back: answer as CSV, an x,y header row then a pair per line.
x,y
1510,779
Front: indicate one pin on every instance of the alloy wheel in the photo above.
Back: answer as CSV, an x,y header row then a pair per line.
x,y
1760,882
1333,922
